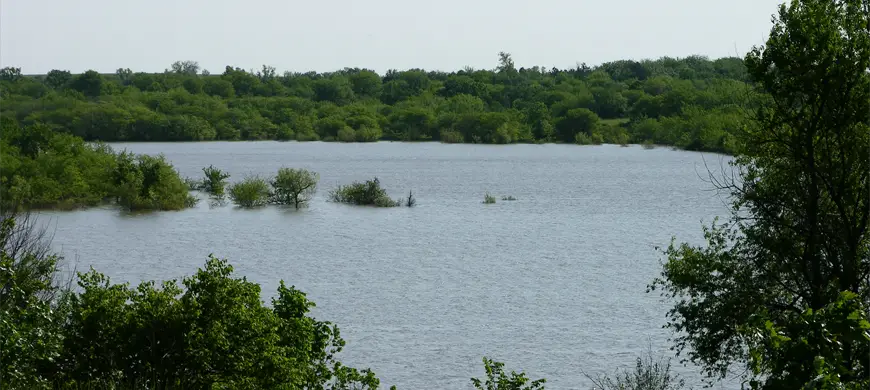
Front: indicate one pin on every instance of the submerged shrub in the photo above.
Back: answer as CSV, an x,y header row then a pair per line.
x,y
509,197
252,191
411,201
488,199
368,193
149,183
215,181
294,186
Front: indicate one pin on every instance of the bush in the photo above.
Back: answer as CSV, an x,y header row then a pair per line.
x,y
214,331
253,191
488,199
496,379
149,183
214,181
369,193
509,198
649,373
294,186
411,201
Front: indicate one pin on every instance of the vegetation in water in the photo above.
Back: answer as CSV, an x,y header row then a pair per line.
x,y
294,187
693,103
252,191
410,201
488,199
40,168
368,193
214,182
508,198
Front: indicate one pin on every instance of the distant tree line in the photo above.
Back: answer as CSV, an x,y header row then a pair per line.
x,y
692,103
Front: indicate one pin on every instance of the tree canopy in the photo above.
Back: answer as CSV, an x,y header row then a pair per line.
x,y
693,103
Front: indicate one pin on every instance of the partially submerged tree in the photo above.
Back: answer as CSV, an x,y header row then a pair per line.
x,y
783,289
294,186
215,181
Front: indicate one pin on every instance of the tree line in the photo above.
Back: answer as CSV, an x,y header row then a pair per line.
x,y
693,103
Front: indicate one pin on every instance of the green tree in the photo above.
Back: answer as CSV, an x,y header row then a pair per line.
x,y
215,181
576,121
294,186
497,379
783,288
57,78
89,83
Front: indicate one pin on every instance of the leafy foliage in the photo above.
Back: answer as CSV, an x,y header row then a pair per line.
x,y
215,332
782,288
692,103
41,168
214,182
252,191
497,379
294,186
368,193
488,199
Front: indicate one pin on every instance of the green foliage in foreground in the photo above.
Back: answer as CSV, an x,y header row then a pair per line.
x,y
40,168
368,193
497,379
252,191
782,289
692,102
215,332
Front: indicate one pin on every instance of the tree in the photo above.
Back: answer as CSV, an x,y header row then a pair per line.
x,y
578,120
190,68
215,181
10,74
294,186
89,83
782,288
57,78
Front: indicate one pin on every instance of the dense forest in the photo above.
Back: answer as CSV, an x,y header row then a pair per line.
x,y
692,103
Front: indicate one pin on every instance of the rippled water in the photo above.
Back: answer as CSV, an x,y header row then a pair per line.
x,y
553,283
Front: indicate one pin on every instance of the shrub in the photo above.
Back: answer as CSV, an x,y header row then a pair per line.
x,y
29,315
214,181
253,191
368,193
149,183
649,373
496,379
294,186
488,199
509,198
215,332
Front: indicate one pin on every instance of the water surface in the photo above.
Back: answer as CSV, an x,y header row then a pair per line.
x,y
553,283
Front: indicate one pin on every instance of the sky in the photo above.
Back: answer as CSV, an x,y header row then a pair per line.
x,y
328,35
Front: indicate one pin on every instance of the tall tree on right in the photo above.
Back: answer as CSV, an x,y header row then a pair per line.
x,y
782,290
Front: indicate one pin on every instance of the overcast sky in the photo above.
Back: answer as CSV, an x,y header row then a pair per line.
x,y
326,35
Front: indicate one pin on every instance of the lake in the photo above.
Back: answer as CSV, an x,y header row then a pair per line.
x,y
552,283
